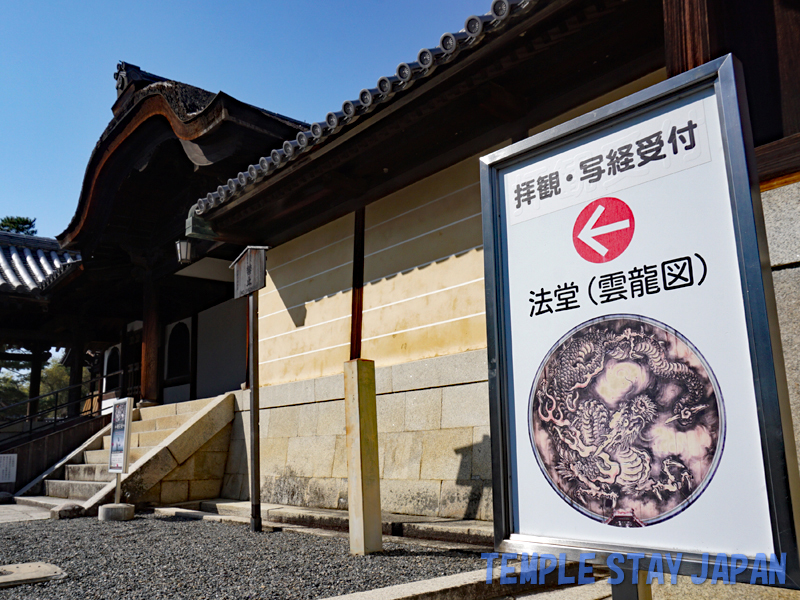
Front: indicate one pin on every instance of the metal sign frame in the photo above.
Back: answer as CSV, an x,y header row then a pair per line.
x,y
122,407
724,76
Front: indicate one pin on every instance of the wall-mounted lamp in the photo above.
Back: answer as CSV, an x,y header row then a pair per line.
x,y
185,250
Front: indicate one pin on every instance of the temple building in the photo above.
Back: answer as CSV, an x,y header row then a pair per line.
x,y
372,216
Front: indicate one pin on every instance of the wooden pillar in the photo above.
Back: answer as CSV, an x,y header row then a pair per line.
x,y
193,359
75,378
123,364
363,476
692,33
358,286
34,389
151,343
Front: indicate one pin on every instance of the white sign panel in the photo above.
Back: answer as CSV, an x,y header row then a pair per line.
x,y
8,468
120,435
632,411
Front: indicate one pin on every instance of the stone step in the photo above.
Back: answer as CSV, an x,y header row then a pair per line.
x,y
74,490
100,457
178,408
145,438
160,423
38,501
89,473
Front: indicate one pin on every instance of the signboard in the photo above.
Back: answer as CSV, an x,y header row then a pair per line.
x,y
636,378
8,468
120,435
249,271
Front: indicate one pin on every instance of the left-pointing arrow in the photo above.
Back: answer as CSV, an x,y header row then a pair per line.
x,y
590,232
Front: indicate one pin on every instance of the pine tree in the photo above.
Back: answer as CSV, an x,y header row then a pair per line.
x,y
23,225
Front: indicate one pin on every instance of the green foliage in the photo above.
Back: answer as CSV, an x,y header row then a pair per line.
x,y
55,376
13,389
23,225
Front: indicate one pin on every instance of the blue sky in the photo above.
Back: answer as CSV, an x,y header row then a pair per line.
x,y
301,59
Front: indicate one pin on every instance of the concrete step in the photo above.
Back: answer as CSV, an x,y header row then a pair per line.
x,y
100,457
144,438
74,490
39,501
89,473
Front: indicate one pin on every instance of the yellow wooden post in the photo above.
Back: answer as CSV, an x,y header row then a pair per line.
x,y
363,476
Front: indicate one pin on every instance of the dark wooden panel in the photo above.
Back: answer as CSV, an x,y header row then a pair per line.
x,y
779,159
787,21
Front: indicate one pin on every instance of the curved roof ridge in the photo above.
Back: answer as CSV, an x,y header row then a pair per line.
x,y
476,28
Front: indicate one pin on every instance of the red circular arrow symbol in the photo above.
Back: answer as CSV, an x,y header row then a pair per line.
x,y
603,230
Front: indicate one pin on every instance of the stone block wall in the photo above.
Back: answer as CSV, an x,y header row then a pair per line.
x,y
433,435
782,217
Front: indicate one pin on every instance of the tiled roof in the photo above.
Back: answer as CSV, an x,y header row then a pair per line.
x,y
502,13
29,264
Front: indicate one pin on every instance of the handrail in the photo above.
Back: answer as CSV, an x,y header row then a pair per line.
x,y
55,392
59,410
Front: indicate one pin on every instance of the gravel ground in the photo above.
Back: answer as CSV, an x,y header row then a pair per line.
x,y
167,557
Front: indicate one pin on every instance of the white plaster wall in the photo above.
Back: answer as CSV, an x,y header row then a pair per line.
x,y
221,348
176,393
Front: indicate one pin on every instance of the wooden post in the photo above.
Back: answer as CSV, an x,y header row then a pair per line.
x,y
34,389
151,342
193,360
626,590
75,378
358,286
691,35
255,446
363,477
123,365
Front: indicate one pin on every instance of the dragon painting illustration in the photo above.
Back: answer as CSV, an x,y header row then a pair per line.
x,y
626,418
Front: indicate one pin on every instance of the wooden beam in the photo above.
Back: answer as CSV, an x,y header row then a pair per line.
x,y
20,357
691,34
358,285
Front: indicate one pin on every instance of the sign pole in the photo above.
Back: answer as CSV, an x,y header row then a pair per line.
x,y
249,276
118,491
255,450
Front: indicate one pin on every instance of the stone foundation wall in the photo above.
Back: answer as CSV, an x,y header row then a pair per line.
x,y
433,433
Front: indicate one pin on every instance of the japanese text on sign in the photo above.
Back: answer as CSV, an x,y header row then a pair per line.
x,y
639,281
652,149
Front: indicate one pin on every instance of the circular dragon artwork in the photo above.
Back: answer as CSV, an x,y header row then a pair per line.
x,y
626,420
